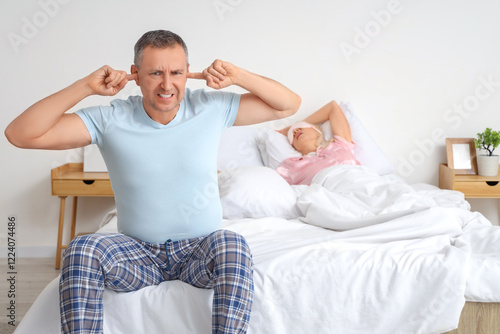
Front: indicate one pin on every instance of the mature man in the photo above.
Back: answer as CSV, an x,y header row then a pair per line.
x,y
160,150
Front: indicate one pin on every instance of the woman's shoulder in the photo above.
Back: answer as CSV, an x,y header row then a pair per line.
x,y
338,140
335,144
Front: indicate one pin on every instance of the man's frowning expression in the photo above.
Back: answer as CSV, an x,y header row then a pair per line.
x,y
162,76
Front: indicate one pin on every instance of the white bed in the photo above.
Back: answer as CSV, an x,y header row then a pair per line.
x,y
372,256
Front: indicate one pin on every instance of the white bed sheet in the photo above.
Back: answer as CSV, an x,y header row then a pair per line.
x,y
412,274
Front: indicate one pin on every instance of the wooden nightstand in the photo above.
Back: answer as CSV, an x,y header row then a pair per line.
x,y
71,180
473,186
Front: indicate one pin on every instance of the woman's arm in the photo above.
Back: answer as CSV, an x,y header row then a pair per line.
x,y
333,113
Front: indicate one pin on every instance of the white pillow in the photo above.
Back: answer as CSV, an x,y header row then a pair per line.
x,y
256,192
274,148
237,148
367,150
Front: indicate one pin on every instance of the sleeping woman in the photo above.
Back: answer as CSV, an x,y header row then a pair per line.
x,y
317,154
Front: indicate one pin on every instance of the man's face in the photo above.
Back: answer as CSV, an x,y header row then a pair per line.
x,y
162,77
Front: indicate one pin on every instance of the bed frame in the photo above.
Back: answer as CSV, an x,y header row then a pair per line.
x,y
479,318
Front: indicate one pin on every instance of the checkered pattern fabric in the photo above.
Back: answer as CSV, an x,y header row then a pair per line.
x,y
220,261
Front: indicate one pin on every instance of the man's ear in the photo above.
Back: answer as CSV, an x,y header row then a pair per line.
x,y
134,70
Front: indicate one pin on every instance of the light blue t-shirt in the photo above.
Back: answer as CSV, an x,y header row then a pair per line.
x,y
164,177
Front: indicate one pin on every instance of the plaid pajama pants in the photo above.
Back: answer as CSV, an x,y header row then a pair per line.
x,y
221,261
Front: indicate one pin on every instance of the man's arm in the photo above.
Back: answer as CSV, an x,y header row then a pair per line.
x,y
267,99
45,125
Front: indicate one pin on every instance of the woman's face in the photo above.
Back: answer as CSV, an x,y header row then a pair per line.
x,y
305,140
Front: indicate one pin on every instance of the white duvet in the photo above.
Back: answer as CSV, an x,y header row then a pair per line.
x,y
408,267
345,197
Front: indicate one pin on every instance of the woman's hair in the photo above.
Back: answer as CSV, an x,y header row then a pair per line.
x,y
321,138
157,39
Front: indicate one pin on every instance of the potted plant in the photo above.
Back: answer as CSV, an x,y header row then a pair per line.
x,y
488,140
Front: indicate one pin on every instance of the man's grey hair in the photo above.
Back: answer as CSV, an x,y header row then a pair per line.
x,y
157,39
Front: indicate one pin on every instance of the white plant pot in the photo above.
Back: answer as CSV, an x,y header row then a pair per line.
x,y
487,165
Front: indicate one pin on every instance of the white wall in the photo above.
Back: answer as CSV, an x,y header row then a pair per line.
x,y
419,69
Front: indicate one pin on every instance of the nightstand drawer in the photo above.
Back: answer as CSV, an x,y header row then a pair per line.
x,y
473,186
478,188
82,188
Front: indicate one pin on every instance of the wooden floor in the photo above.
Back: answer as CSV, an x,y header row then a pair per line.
x,y
479,318
31,277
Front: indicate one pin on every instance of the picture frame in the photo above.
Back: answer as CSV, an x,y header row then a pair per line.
x,y
461,155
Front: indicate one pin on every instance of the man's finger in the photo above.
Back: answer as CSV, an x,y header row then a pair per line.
x,y
133,76
196,75
218,65
216,73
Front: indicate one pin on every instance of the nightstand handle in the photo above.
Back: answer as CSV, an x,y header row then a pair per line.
x,y
492,183
88,181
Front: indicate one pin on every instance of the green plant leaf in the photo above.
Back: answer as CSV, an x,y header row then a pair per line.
x,y
488,140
